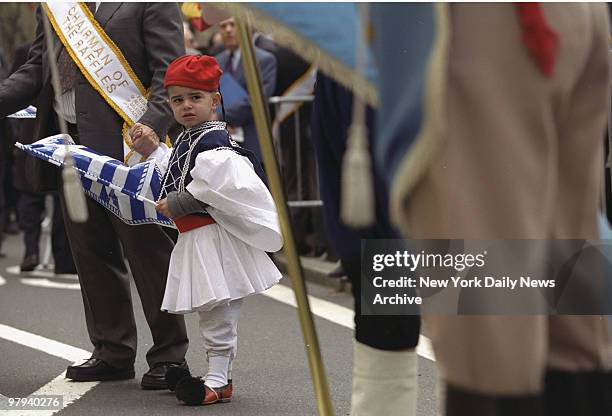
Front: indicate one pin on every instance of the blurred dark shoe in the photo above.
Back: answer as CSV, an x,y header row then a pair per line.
x,y
303,249
337,271
65,271
329,256
318,251
29,263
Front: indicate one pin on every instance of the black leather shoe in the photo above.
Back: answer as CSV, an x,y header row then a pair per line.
x,y
155,378
29,263
95,369
65,270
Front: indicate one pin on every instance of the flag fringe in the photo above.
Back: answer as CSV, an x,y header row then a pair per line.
x,y
305,48
430,139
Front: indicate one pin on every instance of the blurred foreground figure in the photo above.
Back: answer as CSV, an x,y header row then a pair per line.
x,y
385,361
518,155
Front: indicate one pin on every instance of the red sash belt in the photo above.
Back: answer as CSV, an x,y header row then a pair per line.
x,y
190,222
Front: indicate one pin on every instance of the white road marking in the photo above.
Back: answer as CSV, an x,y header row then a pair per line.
x,y
337,314
37,342
49,284
70,391
13,270
40,278
2,281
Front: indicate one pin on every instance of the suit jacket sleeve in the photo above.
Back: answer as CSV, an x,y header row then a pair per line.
x,y
163,37
24,85
240,113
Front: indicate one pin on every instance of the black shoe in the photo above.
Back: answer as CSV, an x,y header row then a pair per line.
x,y
95,369
65,271
29,263
155,378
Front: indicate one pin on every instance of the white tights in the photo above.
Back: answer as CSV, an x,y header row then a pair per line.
x,y
219,328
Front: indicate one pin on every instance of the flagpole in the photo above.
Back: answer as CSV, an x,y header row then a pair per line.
x,y
262,125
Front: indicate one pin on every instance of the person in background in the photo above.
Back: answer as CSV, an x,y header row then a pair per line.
x,y
31,204
239,114
215,45
190,44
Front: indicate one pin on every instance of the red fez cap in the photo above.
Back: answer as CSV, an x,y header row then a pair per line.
x,y
200,72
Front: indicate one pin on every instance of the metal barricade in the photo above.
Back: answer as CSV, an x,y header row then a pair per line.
x,y
278,101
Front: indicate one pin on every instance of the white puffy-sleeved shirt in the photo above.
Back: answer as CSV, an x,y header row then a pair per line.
x,y
226,260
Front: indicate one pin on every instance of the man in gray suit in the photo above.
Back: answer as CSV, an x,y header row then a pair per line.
x,y
239,114
150,36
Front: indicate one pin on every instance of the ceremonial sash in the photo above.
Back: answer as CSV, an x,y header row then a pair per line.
x,y
102,64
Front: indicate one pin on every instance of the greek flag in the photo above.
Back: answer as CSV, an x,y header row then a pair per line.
x,y
128,192
29,112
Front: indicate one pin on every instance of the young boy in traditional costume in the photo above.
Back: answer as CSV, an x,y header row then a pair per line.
x,y
214,192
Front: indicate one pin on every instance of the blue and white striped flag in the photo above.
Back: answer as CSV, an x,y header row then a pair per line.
x,y
128,192
29,112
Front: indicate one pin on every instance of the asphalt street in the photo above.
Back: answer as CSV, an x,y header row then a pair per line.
x,y
271,375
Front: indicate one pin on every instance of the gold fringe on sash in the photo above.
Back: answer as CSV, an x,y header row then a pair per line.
x,y
128,122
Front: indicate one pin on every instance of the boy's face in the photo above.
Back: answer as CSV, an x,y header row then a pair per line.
x,y
192,107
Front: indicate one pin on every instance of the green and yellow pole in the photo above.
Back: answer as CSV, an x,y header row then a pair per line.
x,y
264,132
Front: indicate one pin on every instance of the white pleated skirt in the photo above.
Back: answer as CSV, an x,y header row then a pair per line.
x,y
209,266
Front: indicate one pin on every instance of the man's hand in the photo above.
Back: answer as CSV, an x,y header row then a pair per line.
x,y
163,208
144,139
